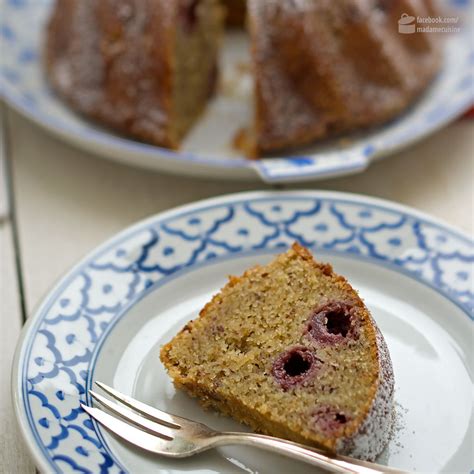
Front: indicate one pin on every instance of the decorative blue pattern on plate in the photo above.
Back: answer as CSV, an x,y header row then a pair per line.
x,y
23,85
68,327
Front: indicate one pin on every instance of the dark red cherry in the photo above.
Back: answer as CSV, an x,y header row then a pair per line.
x,y
329,420
332,323
294,366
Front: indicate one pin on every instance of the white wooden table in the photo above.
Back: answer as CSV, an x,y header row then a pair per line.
x,y
65,202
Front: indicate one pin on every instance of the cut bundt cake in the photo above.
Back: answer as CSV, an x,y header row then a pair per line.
x,y
290,350
323,67
143,67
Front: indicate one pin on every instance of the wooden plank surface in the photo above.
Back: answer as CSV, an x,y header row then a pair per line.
x,y
14,458
4,204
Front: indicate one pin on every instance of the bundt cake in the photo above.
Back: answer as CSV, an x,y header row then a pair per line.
x,y
321,67
290,350
143,67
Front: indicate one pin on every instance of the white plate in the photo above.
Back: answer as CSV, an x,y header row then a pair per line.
x,y
108,317
207,151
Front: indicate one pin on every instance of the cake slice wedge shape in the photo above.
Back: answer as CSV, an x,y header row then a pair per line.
x,y
290,350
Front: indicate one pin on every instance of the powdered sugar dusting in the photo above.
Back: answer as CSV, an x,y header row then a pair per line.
x,y
83,64
374,433
112,61
313,76
276,97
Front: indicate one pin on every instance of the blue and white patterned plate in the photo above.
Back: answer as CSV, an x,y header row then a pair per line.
x,y
108,317
207,151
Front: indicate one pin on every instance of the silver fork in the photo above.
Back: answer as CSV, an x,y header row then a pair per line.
x,y
177,437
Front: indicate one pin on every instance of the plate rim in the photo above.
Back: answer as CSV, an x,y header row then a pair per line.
x,y
27,331
248,169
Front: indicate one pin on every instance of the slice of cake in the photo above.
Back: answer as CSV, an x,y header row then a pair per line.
x,y
143,68
290,350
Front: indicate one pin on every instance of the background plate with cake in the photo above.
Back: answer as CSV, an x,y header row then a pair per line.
x,y
328,86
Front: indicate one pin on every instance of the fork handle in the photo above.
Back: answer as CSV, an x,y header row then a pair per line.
x,y
316,457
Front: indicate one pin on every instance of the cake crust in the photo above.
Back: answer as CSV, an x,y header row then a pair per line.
x,y
360,429
323,68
